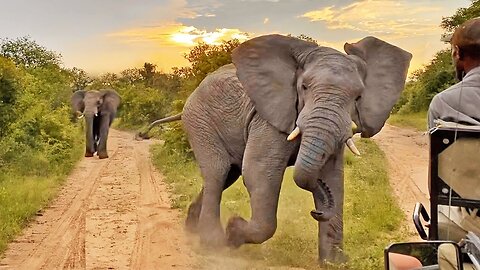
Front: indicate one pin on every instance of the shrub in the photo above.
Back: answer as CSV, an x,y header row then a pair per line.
x,y
141,104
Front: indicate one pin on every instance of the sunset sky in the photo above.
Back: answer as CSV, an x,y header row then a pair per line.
x,y
112,35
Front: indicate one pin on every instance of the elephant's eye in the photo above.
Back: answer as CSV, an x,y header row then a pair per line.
x,y
358,98
304,87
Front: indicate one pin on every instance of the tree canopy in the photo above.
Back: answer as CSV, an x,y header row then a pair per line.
x,y
439,74
25,51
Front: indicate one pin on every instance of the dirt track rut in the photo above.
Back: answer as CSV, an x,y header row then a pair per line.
x,y
111,214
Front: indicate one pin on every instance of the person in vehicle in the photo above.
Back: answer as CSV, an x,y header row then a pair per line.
x,y
461,104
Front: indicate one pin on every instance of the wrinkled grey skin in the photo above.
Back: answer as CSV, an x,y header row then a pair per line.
x,y
238,119
99,109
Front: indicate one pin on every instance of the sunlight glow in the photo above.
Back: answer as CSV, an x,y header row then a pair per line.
x,y
178,35
189,36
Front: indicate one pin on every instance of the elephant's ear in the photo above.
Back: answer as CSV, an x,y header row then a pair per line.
x,y
386,72
266,67
111,100
77,101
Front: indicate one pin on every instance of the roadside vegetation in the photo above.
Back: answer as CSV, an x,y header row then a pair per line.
x,y
39,144
436,76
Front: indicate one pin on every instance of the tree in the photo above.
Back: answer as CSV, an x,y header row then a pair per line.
x,y
460,16
306,38
105,80
131,75
205,58
26,52
80,79
148,72
439,74
9,78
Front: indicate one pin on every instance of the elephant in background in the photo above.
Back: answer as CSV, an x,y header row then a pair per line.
x,y
99,108
239,119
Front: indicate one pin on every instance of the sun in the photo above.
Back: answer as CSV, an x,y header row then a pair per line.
x,y
184,39
190,36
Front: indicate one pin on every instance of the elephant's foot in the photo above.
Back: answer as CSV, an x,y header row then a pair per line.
x,y
191,223
235,231
102,155
88,154
212,238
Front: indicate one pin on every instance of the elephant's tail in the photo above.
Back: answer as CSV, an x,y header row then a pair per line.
x,y
144,134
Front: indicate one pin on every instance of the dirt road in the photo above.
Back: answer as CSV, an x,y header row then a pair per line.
x,y
115,213
407,154
111,214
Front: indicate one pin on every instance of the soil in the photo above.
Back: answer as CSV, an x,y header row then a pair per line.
x,y
116,213
112,213
407,153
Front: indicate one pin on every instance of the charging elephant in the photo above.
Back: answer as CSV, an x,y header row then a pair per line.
x,y
99,109
238,119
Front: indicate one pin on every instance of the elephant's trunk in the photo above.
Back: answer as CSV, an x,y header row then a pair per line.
x,y
319,141
89,137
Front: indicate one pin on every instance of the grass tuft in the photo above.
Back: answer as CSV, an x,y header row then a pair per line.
x,y
417,120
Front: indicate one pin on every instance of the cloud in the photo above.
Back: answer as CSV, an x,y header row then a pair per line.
x,y
387,18
177,35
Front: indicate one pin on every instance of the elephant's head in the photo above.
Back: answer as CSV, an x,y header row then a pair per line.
x,y
91,105
294,83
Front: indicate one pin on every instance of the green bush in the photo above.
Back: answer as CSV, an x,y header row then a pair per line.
x,y
39,144
141,104
425,83
9,80
41,136
36,135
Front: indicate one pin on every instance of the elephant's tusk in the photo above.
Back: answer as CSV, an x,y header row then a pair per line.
x,y
354,128
294,134
352,147
80,115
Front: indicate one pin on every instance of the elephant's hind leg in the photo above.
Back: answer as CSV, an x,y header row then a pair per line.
x,y
195,207
215,169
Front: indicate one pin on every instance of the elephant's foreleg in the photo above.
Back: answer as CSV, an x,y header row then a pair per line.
x,y
104,126
264,163
89,137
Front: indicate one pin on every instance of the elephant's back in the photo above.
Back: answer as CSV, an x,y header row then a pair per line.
x,y
219,110
220,92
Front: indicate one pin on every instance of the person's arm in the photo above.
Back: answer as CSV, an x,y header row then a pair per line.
x,y
433,111
399,261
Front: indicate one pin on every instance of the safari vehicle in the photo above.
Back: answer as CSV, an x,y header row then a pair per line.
x,y
454,181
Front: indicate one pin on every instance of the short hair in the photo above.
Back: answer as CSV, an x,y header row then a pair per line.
x,y
467,38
